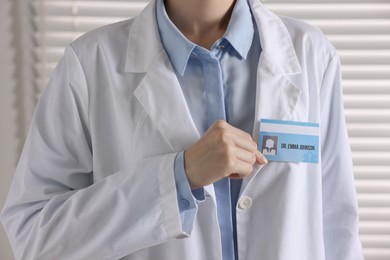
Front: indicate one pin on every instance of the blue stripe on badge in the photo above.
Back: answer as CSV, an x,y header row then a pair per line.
x,y
283,122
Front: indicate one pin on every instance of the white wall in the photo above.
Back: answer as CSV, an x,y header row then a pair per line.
x,y
8,142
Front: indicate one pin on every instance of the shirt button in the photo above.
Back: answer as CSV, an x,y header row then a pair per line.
x,y
221,47
245,203
184,204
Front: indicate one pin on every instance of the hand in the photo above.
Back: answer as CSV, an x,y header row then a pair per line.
x,y
222,151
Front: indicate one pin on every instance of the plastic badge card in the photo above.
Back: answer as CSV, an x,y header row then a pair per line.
x,y
289,141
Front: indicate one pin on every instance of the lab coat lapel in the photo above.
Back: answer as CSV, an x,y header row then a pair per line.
x,y
161,96
276,96
159,92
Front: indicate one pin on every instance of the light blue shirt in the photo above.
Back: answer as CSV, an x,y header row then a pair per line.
x,y
238,53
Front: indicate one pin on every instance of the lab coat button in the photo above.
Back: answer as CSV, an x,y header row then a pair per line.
x,y
245,203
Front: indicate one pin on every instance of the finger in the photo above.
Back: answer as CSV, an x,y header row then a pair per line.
x,y
249,157
251,147
244,143
234,130
260,158
239,132
236,176
241,168
245,156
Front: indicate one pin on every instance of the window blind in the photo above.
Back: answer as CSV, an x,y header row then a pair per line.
x,y
359,29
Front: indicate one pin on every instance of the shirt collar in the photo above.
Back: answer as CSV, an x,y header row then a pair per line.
x,y
240,30
239,34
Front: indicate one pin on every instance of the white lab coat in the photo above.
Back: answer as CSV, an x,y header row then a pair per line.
x,y
95,179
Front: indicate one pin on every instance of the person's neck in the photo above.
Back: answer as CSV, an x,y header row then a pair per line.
x,y
200,21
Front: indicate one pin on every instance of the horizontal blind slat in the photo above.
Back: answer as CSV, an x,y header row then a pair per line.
x,y
361,101
371,158
366,57
377,254
92,9
321,1
373,186
375,241
352,26
366,72
374,227
360,41
374,214
369,130
55,39
377,200
370,145
81,24
332,11
372,172
366,86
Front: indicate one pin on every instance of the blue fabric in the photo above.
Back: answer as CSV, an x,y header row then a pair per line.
x,y
215,108
187,204
219,83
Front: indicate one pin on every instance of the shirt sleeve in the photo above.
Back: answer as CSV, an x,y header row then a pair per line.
x,y
186,198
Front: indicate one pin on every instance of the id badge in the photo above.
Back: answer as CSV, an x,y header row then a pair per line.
x,y
289,141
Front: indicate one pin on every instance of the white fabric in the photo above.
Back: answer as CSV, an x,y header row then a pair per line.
x,y
95,180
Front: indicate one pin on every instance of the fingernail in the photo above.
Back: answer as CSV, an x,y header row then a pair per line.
x,y
263,159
